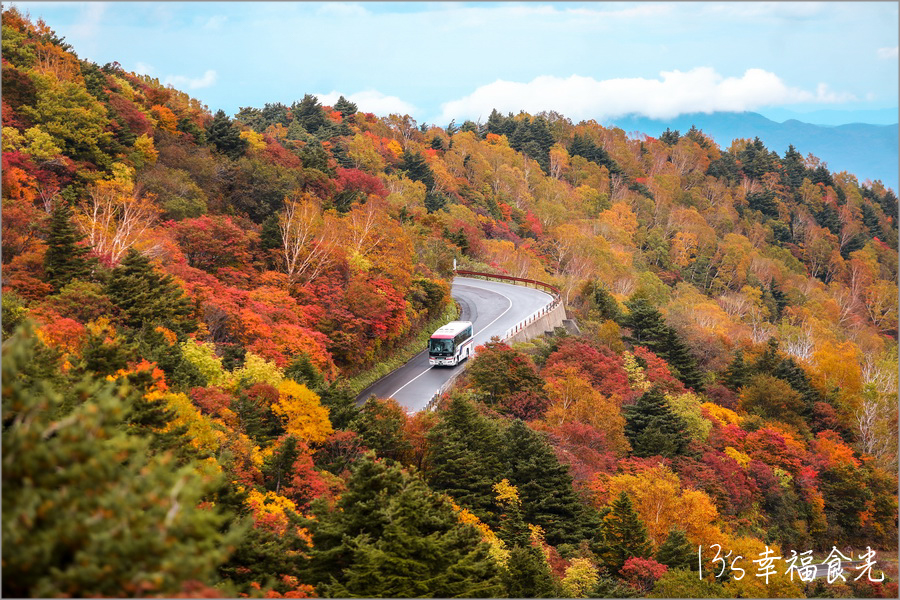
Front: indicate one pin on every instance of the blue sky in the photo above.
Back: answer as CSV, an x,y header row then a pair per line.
x,y
442,61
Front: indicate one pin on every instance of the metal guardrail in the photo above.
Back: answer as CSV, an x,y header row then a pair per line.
x,y
557,298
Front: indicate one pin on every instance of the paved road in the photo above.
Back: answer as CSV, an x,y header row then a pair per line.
x,y
492,307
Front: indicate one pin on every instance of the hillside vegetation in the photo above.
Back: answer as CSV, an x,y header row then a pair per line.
x,y
186,293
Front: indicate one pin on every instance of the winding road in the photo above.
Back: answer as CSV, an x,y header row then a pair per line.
x,y
492,307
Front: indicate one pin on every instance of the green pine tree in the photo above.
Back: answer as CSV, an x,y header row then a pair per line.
x,y
147,297
622,535
463,454
527,574
417,169
391,536
225,136
340,401
65,259
545,486
676,551
649,328
653,429
345,107
88,508
737,373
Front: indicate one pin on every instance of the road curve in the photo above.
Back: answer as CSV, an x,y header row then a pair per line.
x,y
492,307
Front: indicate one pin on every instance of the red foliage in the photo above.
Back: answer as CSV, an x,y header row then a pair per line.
x,y
340,448
277,154
722,473
599,365
642,573
775,448
824,417
213,242
526,405
360,181
729,435
721,395
136,121
210,400
533,225
657,371
262,394
584,449
306,484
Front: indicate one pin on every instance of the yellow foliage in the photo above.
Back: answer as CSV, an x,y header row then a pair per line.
x,y
498,548
255,140
749,585
722,415
305,416
662,505
741,458
580,579
200,429
506,492
270,509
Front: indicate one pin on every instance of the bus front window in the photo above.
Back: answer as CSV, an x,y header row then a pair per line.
x,y
440,347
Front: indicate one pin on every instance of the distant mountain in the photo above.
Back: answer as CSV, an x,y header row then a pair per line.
x,y
867,151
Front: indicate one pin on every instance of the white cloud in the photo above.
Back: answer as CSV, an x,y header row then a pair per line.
x,y
143,69
676,92
887,52
180,81
371,101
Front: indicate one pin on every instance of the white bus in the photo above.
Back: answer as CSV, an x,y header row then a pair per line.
x,y
451,344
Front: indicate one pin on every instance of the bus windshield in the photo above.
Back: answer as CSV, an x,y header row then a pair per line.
x,y
440,347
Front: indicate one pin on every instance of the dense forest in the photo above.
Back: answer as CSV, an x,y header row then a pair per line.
x,y
187,295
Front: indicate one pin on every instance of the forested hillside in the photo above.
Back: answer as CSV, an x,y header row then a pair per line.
x,y
186,295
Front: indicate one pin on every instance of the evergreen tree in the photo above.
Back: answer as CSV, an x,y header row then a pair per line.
x,y
303,371
669,137
601,301
435,201
345,107
622,535
870,220
380,423
147,297
545,486
794,168
89,479
527,574
225,136
676,551
309,113
464,459
275,114
417,169
653,429
340,401
65,259
737,373
277,467
391,536
648,328
828,217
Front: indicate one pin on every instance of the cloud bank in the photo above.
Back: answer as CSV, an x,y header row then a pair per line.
x,y
699,90
887,52
371,101
180,81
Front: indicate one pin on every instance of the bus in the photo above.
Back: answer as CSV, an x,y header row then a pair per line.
x,y
451,344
